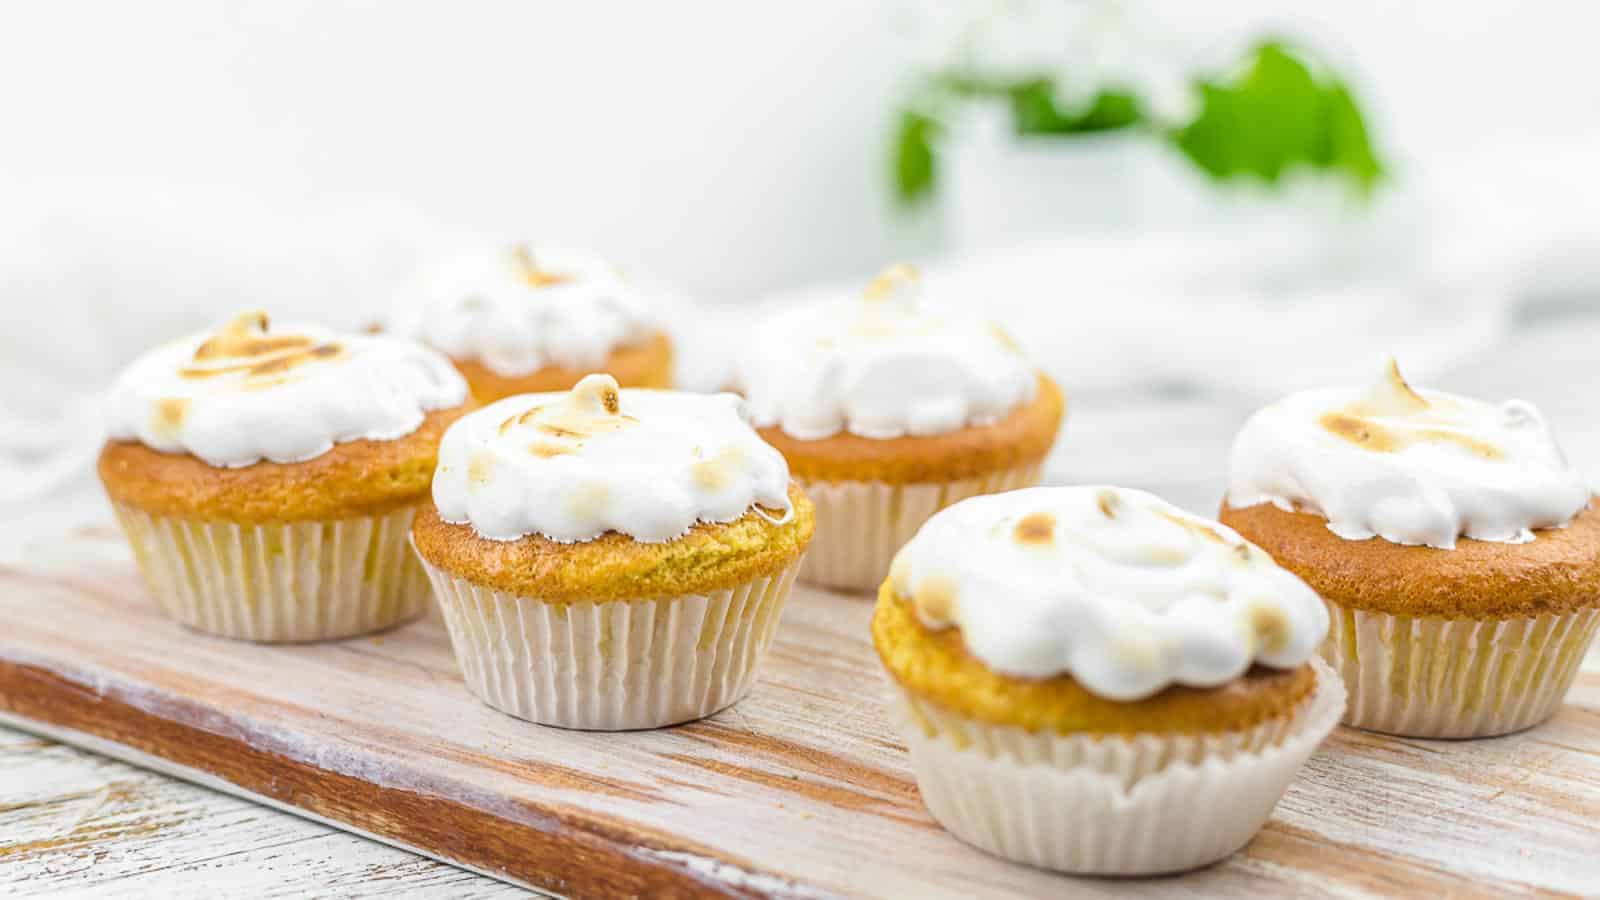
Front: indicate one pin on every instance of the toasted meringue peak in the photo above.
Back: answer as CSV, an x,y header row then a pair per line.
x,y
593,406
1389,395
246,393
535,274
1127,603
574,465
519,308
1411,466
1005,338
595,395
1035,529
167,422
900,279
1107,502
242,337
1391,416
883,364
243,347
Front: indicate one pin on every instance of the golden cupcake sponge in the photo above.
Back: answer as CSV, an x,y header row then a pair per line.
x,y
1558,572
1023,437
613,566
936,667
356,478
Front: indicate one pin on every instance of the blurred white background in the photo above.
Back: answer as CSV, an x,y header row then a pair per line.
x,y
731,147
164,164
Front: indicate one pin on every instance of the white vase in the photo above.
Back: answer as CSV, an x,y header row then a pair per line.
x,y
998,188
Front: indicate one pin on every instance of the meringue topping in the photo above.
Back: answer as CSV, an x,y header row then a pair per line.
x,y
883,364
1411,466
572,466
594,405
247,392
899,279
243,346
520,308
535,274
1036,529
1412,419
246,337
1114,587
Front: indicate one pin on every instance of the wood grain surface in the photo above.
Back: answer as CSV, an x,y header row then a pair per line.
x,y
82,825
799,791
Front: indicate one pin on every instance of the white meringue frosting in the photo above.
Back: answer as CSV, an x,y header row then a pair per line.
x,y
1411,466
246,392
572,466
1117,588
518,309
882,365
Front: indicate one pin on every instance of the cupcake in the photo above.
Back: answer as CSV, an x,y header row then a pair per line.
x,y
1455,547
519,319
266,478
888,411
611,559
1092,681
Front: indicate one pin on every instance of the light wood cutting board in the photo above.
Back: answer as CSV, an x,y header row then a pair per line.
x,y
799,791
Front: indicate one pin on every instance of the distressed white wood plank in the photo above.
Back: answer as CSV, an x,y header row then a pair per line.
x,y
75,821
796,789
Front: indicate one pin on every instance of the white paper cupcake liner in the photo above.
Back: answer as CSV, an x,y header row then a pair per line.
x,y
1455,678
611,666
280,582
1140,805
861,525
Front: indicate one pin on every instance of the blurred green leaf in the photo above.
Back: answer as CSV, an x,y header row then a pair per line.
x,y
1275,116
1112,109
912,157
1036,111
1349,148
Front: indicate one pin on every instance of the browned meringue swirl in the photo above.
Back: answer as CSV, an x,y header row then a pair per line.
x,y
1394,398
890,280
243,345
592,407
1036,528
531,271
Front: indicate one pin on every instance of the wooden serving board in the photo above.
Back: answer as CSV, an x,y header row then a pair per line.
x,y
800,791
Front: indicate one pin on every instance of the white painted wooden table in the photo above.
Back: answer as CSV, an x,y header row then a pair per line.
x,y
73,822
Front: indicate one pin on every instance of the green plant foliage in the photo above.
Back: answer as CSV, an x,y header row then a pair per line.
x,y
1274,116
913,159
1348,149
1035,111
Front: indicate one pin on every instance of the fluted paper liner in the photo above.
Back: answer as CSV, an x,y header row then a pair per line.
x,y
615,665
861,525
283,581
1139,805
1455,678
